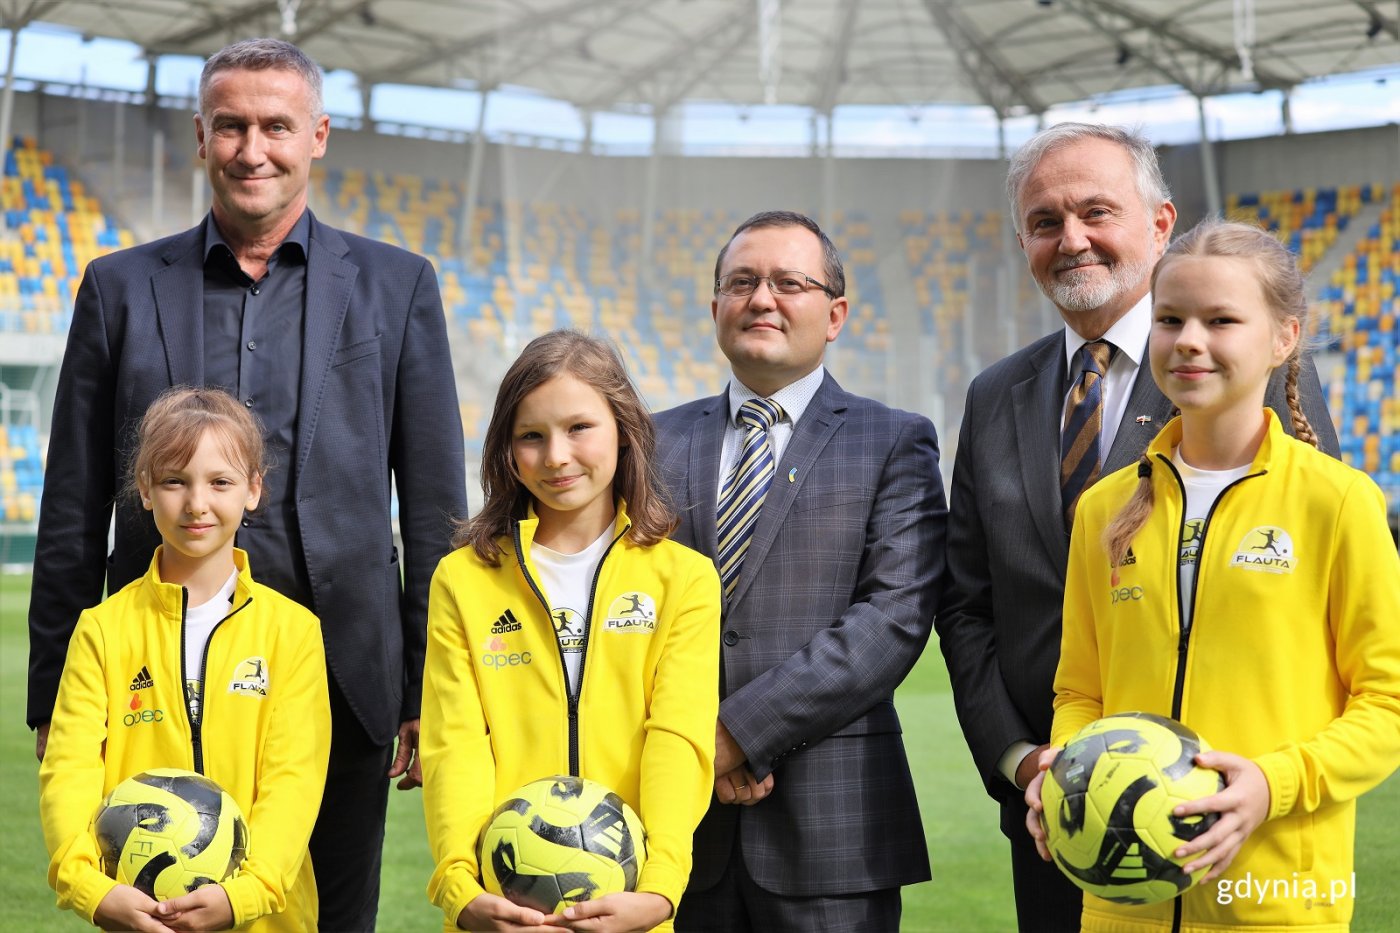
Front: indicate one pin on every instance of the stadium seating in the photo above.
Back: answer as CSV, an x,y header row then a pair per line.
x,y
1357,315
53,228
21,473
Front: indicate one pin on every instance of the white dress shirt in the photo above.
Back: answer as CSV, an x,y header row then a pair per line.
x,y
793,398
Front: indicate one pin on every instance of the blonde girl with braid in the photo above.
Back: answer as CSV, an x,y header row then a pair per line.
x,y
1240,581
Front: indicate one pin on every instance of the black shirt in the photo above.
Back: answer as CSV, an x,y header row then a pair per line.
x,y
252,348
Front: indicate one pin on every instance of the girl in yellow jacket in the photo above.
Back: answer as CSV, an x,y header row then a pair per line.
x,y
1246,584
193,666
566,634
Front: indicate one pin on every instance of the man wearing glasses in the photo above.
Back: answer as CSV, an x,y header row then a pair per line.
x,y
824,513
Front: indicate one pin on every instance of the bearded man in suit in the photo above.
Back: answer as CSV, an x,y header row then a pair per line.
x,y
1093,215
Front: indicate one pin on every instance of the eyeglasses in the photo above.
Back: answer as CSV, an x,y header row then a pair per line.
x,y
784,282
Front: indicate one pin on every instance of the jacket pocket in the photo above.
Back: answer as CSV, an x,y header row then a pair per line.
x,y
355,351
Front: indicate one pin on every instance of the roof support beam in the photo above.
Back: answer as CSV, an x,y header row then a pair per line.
x,y
496,36
1166,29
982,62
834,70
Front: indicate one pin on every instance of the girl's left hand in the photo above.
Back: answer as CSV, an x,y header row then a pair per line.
x,y
1242,805
204,908
616,913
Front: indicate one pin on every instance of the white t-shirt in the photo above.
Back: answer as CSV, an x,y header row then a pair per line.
x,y
1203,487
565,580
199,625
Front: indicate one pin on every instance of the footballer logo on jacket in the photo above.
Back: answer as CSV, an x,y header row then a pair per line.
x,y
568,628
250,677
631,612
1267,548
1191,542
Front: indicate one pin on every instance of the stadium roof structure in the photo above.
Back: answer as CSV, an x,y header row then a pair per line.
x,y
1015,56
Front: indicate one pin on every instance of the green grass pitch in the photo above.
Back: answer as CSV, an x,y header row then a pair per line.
x,y
971,890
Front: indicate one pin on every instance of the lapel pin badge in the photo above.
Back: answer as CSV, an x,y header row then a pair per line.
x,y
792,475
1143,419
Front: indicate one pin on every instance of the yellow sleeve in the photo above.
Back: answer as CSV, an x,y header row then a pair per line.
x,y
1078,680
288,784
677,773
454,747
73,773
1361,747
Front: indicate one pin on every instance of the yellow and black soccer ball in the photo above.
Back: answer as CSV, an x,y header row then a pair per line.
x,y
167,831
1108,806
561,840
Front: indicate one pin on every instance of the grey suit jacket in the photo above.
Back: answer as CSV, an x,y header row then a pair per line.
x,y
377,397
833,606
999,624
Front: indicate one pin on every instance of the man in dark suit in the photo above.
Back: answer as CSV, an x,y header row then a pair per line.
x,y
339,345
829,598
1092,215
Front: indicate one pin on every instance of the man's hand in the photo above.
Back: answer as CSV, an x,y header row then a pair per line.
x,y
741,787
1035,808
728,754
41,741
406,758
205,908
125,908
1029,766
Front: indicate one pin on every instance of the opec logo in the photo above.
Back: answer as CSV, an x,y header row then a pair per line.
x,y
138,715
498,656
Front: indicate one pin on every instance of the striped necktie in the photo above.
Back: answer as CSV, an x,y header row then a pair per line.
x,y
1079,444
741,496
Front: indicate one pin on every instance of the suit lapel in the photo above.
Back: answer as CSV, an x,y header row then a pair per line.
x,y
329,281
809,437
706,444
1037,402
1146,401
178,290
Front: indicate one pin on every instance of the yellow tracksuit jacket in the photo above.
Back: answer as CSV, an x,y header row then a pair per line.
x,y
265,741
1292,660
497,712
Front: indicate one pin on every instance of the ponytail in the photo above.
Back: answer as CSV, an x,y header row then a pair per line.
x,y
1119,534
1302,428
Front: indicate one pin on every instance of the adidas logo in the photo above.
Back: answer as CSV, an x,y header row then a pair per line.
x,y
142,680
506,623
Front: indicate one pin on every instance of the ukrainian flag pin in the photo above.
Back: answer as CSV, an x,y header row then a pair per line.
x,y
792,475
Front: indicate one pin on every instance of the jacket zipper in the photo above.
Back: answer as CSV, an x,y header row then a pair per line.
x,y
572,694
197,726
1185,619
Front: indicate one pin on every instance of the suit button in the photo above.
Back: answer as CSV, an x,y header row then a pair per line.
x,y
731,638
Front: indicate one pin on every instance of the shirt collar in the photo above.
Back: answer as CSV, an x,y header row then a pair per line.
x,y
1128,333
299,235
793,397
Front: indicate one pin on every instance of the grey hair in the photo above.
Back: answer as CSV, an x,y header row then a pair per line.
x,y
1152,187
263,55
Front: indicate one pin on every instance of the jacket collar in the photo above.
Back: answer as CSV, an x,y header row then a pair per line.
x,y
170,597
530,524
1274,443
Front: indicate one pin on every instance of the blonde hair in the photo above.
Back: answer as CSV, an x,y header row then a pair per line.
x,y
177,420
594,361
1281,282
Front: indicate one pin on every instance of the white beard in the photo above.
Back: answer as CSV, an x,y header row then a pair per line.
x,y
1079,293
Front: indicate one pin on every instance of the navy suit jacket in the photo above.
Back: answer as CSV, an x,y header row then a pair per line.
x,y
834,604
999,624
377,397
